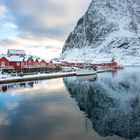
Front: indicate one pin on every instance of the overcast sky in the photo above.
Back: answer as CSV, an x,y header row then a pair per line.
x,y
38,26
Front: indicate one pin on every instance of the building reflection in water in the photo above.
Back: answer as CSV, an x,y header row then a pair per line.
x,y
9,87
113,106
4,88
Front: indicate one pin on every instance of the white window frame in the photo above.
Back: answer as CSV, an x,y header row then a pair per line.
x,y
18,63
2,64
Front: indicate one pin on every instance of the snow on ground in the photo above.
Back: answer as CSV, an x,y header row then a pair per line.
x,y
106,51
123,57
9,77
3,76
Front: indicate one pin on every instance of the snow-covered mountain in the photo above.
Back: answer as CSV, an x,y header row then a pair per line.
x,y
109,29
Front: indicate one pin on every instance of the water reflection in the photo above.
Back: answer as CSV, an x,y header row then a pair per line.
x,y
86,78
15,86
46,112
109,106
112,103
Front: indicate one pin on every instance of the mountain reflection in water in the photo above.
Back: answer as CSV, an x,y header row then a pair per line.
x,y
112,102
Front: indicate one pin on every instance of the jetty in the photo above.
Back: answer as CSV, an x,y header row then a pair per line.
x,y
43,76
36,77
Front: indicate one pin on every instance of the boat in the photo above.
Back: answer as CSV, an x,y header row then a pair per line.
x,y
66,69
87,70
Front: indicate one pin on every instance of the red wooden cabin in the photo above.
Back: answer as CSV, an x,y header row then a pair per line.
x,y
29,62
4,62
43,63
112,63
36,62
16,62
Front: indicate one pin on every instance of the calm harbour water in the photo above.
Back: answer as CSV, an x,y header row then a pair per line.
x,y
106,107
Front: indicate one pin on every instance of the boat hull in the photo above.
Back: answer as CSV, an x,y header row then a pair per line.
x,y
85,72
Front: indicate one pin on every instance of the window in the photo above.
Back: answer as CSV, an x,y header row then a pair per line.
x,y
2,63
18,63
30,63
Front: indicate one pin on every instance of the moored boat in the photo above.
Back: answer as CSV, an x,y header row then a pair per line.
x,y
66,69
87,70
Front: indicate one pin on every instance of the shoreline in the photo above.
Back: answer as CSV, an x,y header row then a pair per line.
x,y
36,77
41,77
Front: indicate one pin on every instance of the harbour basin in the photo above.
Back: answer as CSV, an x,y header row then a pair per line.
x,y
102,107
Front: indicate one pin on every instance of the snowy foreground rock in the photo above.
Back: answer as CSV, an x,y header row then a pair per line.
x,y
109,29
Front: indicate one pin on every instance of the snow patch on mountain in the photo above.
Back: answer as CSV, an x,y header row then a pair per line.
x,y
109,29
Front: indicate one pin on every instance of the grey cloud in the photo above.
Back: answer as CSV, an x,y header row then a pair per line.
x,y
53,48
29,41
8,42
51,18
3,11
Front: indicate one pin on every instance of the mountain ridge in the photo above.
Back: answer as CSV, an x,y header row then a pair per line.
x,y
109,29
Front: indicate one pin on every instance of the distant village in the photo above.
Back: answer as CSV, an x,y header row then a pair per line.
x,y
18,60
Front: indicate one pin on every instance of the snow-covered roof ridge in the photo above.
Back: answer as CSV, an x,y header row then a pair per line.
x,y
26,57
15,59
40,60
56,62
35,57
19,58
31,56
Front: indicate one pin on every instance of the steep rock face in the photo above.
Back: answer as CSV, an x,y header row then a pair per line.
x,y
109,28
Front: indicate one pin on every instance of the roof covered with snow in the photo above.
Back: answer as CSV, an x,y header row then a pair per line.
x,y
14,59
56,62
42,60
32,57
47,61
27,57
35,58
20,58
